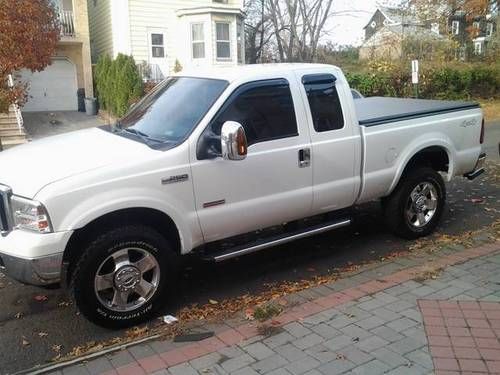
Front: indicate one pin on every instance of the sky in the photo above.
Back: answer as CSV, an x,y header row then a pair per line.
x,y
347,29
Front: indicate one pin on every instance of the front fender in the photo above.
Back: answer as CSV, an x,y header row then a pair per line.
x,y
95,206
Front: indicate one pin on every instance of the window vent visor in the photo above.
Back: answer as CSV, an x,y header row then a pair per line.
x,y
311,79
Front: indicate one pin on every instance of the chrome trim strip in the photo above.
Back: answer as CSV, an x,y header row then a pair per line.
x,y
280,241
214,203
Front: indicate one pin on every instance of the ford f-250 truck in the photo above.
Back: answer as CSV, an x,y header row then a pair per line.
x,y
209,158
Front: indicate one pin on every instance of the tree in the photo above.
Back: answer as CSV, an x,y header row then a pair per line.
x,y
29,32
286,30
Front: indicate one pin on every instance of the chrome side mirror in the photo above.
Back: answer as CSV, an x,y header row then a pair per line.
x,y
233,141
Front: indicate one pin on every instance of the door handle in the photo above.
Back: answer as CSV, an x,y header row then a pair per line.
x,y
304,157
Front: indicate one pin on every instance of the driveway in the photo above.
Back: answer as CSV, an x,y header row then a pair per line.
x,y
44,124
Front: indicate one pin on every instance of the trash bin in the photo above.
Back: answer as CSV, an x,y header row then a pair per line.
x,y
91,106
81,99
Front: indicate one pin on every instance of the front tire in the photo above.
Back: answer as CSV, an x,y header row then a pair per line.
x,y
414,208
124,276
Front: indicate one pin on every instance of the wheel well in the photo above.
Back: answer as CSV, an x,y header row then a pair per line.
x,y
146,216
434,157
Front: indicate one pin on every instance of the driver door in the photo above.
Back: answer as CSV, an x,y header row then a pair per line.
x,y
271,185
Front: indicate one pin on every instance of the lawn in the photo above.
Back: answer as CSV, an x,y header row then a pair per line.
x,y
491,109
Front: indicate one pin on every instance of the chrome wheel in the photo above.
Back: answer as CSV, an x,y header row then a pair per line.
x,y
127,279
422,204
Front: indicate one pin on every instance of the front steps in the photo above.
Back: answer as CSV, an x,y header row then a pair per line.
x,y
10,134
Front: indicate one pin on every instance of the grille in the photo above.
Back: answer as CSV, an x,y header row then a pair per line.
x,y
5,222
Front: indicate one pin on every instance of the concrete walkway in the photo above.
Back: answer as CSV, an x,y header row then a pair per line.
x,y
408,316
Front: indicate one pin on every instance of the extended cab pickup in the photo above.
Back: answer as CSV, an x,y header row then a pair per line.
x,y
207,159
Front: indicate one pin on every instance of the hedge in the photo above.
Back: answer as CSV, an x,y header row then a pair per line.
x,y
466,82
118,83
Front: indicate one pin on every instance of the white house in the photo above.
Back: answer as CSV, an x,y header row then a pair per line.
x,y
159,32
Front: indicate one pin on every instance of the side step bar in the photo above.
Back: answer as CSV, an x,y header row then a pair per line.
x,y
258,245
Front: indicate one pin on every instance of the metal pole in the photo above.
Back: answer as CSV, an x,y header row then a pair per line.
x,y
262,30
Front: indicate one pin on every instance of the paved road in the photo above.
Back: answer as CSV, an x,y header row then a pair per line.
x,y
49,324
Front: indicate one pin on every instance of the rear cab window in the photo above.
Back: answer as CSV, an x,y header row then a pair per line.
x,y
324,102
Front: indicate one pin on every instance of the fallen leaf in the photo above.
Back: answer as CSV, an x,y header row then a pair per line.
x,y
477,200
42,334
56,348
19,315
41,298
249,314
213,302
25,342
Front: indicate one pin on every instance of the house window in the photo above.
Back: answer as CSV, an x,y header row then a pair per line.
x,y
476,25
477,48
157,45
198,40
223,42
455,27
489,29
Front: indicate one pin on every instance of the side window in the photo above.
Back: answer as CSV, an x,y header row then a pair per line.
x,y
326,110
264,109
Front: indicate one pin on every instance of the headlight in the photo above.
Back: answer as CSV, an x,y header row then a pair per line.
x,y
30,215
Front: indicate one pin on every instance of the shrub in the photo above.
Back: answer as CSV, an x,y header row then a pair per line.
x,y
449,82
118,83
177,66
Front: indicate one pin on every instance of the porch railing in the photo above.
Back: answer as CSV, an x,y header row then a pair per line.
x,y
17,110
150,72
67,22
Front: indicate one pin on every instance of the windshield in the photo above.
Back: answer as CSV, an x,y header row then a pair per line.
x,y
172,110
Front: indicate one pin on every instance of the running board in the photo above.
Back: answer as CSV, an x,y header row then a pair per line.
x,y
258,245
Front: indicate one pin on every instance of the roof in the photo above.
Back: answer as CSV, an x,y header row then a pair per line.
x,y
248,72
394,15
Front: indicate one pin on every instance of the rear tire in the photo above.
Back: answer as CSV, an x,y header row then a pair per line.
x,y
414,208
124,276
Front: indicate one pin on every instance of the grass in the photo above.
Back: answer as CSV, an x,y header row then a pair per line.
x,y
491,109
263,313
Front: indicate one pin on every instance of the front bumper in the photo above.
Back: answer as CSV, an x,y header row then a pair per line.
x,y
33,258
36,271
478,169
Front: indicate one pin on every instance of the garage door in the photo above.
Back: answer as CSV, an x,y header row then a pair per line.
x,y
53,89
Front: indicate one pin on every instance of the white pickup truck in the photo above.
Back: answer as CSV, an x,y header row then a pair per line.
x,y
205,161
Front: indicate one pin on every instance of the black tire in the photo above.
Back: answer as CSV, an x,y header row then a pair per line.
x,y
97,251
395,205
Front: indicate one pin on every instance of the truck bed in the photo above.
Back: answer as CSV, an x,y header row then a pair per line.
x,y
381,110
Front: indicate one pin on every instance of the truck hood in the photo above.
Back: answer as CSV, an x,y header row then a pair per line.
x,y
30,167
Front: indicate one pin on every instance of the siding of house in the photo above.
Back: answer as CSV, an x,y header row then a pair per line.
x,y
160,15
101,28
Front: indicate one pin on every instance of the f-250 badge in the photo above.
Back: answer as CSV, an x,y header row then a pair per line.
x,y
467,123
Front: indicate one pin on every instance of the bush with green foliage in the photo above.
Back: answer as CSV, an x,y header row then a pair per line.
x,y
464,82
118,83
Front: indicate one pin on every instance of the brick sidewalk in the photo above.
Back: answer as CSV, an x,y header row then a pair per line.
x,y
380,321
